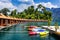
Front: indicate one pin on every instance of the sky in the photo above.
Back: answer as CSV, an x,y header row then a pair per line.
x,y
20,5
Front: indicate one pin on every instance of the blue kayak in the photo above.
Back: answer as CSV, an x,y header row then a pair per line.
x,y
38,30
41,30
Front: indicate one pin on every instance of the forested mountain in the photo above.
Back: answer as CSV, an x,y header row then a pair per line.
x,y
55,13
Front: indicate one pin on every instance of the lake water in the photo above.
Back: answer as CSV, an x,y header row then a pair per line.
x,y
18,33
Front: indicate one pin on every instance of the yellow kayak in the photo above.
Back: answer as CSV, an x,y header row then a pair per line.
x,y
44,34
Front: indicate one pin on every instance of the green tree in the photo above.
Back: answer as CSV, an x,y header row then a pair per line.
x,y
56,26
49,23
28,17
13,13
32,13
41,16
41,7
18,15
30,10
48,15
32,16
37,13
4,11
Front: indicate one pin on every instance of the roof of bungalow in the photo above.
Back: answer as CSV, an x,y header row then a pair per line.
x,y
16,18
2,16
5,17
13,18
8,17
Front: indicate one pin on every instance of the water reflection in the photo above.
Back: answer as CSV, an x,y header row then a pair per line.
x,y
56,37
12,34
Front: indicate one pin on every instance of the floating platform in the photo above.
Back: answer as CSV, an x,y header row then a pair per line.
x,y
58,33
52,30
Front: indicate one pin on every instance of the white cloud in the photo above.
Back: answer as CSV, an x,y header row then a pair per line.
x,y
21,7
49,5
9,5
6,4
30,1
23,0
5,0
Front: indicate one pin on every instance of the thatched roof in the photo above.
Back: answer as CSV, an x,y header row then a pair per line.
x,y
2,16
5,17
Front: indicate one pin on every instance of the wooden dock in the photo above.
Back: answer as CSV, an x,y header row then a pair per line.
x,y
52,30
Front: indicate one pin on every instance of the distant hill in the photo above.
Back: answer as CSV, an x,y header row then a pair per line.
x,y
55,13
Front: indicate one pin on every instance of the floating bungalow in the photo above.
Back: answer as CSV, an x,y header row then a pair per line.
x,y
8,20
5,20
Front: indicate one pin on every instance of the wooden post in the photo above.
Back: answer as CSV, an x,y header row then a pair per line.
x,y
13,21
10,21
17,21
6,21
1,22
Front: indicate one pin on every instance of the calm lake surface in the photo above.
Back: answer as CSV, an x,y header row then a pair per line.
x,y
17,32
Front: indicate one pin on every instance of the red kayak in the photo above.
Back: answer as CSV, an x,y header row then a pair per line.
x,y
31,27
32,33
